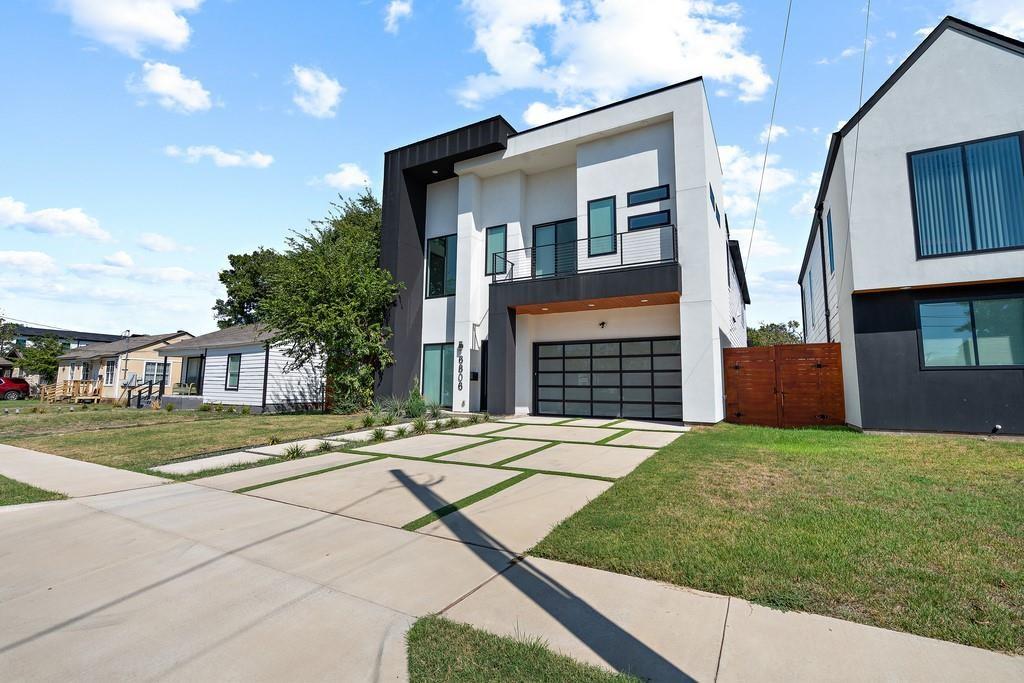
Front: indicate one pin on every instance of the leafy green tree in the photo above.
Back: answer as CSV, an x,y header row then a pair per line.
x,y
247,283
7,337
770,334
41,358
329,300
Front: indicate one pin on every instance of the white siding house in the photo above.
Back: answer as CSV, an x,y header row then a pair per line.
x,y
239,366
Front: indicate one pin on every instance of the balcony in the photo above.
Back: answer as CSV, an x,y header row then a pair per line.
x,y
636,248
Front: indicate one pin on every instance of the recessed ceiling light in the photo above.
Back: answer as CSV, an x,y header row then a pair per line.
x,y
434,171
543,309
591,305
643,301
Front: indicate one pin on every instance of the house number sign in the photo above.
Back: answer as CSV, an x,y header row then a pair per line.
x,y
460,367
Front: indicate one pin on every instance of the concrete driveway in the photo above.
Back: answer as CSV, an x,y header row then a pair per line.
x,y
309,576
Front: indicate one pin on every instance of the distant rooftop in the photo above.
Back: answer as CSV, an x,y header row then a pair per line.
x,y
29,331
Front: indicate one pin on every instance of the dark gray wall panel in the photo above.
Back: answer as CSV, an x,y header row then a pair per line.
x,y
896,393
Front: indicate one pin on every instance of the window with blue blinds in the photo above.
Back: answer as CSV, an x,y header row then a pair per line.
x,y
969,197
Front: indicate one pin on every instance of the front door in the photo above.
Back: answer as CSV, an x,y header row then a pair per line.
x,y
554,248
438,370
193,366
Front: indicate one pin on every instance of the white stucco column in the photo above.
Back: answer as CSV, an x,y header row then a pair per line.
x,y
467,294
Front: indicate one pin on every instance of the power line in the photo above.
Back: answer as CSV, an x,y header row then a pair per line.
x,y
771,129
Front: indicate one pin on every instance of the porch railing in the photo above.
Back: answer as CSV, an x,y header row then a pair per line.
x,y
612,252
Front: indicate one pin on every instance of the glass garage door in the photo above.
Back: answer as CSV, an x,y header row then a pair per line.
x,y
635,378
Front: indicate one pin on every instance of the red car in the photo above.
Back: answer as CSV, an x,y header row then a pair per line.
x,y
13,388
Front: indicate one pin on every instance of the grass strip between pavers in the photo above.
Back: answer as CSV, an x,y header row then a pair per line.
x,y
605,440
582,443
465,502
538,449
369,458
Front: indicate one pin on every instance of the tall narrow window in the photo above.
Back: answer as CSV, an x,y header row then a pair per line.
x,y
234,372
441,266
601,226
969,197
497,245
831,251
809,298
438,368
109,371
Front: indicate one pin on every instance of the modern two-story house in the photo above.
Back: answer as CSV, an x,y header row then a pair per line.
x,y
579,268
915,260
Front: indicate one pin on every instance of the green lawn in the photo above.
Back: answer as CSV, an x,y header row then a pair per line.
x,y
923,534
56,419
14,493
141,447
444,651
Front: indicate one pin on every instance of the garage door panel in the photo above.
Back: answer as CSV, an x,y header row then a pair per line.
x,y
634,378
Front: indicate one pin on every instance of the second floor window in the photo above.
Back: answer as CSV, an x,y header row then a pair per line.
x,y
969,197
601,226
496,247
441,264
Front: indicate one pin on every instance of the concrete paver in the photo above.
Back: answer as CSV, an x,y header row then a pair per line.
x,y
232,481
71,477
646,439
389,490
308,445
592,422
402,570
215,462
479,428
494,451
650,629
169,608
653,426
423,445
532,419
518,517
763,644
364,434
559,433
597,461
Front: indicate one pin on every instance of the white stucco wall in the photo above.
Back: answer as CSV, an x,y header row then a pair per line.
x,y
442,218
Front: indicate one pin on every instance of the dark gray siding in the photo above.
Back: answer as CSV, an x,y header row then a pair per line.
x,y
897,393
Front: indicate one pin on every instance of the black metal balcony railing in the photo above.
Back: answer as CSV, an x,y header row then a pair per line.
x,y
622,250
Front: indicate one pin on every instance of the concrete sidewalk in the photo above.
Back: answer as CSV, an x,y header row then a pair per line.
x,y
73,478
666,633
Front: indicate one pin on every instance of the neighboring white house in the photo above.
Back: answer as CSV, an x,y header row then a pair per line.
x,y
240,366
583,267
915,261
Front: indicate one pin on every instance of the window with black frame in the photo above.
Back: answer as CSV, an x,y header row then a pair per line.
x,y
496,262
601,226
983,332
441,266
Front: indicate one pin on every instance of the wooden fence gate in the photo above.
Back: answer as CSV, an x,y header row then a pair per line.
x,y
791,385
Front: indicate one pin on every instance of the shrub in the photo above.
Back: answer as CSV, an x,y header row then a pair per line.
x,y
454,422
368,420
231,409
169,407
246,410
325,446
401,431
217,407
379,434
153,405
474,419
434,410
419,425
387,419
293,451
274,440
415,405
205,407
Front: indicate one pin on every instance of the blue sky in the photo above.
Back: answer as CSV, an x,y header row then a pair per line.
x,y
142,142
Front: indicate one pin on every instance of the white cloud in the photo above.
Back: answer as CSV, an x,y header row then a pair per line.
x,y
538,113
741,174
119,259
129,25
846,53
348,177
594,51
804,207
1001,16
30,262
396,11
63,222
195,153
154,275
318,94
765,244
155,242
172,89
777,132
924,31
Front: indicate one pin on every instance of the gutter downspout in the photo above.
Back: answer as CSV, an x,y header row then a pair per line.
x,y
824,276
266,373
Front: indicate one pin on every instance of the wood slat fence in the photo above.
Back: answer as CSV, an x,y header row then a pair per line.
x,y
791,385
